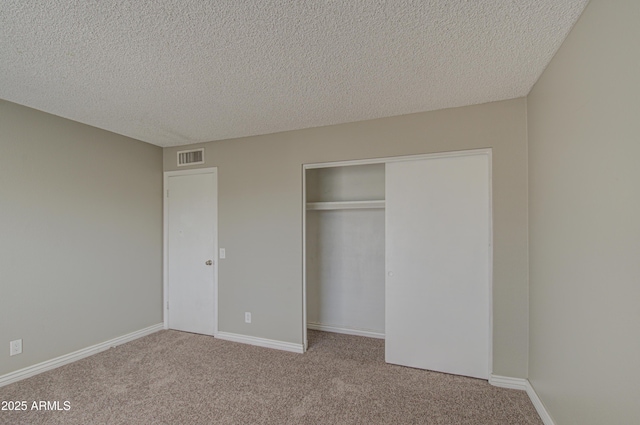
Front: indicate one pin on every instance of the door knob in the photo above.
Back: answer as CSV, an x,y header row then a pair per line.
x,y
209,262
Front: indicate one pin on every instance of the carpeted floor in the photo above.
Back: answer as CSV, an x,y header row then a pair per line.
x,y
173,377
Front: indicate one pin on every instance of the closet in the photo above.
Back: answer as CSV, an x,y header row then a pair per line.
x,y
345,249
400,248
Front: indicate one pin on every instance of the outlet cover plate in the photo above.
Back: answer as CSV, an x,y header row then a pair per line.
x,y
15,347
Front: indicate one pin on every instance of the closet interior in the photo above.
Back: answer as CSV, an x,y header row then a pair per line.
x,y
345,249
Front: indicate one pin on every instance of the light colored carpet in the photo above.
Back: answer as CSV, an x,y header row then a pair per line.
x,y
173,377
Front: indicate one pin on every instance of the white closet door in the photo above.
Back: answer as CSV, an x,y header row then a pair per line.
x,y
437,264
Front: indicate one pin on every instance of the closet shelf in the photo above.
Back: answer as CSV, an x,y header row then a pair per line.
x,y
345,205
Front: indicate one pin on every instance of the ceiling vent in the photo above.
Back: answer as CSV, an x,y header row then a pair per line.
x,y
192,157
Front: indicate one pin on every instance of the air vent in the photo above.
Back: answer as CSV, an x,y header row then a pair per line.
x,y
192,157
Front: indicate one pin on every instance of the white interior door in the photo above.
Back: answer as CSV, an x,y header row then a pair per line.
x,y
191,247
437,264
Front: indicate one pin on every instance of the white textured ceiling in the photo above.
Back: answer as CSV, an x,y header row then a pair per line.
x,y
173,72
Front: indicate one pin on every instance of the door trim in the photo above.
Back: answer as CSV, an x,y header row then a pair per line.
x,y
483,151
165,243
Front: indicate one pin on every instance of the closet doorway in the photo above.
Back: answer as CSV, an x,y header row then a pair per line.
x,y
345,249
400,248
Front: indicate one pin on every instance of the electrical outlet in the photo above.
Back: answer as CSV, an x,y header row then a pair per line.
x,y
15,347
247,317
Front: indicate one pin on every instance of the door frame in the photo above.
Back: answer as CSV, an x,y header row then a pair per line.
x,y
483,151
165,242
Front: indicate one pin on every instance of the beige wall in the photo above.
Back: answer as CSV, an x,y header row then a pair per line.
x,y
260,213
80,235
584,184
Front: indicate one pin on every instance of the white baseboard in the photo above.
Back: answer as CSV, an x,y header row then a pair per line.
x,y
343,330
261,342
524,385
537,403
27,372
508,382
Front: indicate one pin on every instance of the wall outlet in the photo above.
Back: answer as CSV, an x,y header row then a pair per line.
x,y
247,317
15,347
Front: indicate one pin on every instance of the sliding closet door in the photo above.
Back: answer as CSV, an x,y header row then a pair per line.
x,y
437,264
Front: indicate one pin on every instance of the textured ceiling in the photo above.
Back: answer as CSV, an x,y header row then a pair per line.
x,y
173,72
